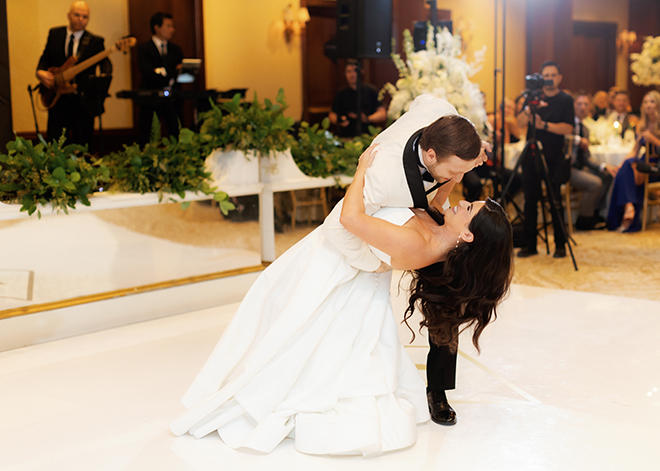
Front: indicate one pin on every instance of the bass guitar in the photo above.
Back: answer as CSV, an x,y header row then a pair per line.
x,y
65,74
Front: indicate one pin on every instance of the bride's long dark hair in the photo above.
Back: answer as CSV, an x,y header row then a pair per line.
x,y
466,288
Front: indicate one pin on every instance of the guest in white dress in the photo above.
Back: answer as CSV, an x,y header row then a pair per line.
x,y
313,352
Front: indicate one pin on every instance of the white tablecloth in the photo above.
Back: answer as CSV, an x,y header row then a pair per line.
x,y
512,153
612,155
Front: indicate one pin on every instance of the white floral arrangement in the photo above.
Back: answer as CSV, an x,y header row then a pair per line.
x,y
606,131
441,71
646,65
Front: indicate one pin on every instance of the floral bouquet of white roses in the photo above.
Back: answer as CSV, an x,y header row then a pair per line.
x,y
439,70
646,65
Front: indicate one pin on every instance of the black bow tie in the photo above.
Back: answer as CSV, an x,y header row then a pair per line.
x,y
426,176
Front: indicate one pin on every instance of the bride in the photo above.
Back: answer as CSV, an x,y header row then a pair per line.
x,y
313,352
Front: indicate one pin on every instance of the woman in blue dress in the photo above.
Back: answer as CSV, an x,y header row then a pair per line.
x,y
628,188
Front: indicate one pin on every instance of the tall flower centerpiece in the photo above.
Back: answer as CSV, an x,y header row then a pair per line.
x,y
440,70
646,65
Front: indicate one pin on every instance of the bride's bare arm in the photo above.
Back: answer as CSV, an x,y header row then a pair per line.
x,y
407,246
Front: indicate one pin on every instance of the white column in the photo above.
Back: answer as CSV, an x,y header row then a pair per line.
x,y
267,224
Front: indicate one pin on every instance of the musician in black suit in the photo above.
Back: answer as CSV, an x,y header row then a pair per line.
x,y
75,111
159,60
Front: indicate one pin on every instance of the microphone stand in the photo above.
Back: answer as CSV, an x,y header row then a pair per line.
x,y
34,113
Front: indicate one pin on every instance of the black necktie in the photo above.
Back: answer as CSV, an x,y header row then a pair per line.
x,y
69,49
581,130
163,51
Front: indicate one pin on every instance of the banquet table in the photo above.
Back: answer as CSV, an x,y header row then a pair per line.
x,y
612,155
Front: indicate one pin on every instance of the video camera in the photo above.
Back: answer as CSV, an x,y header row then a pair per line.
x,y
534,84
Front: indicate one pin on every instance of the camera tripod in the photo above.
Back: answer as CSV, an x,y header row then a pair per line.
x,y
532,150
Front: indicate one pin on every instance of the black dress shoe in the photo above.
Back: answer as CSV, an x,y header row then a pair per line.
x,y
560,252
440,410
585,223
527,252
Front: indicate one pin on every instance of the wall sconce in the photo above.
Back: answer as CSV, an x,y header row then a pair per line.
x,y
293,24
624,40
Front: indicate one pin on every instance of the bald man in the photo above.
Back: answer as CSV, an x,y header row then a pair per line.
x,y
74,112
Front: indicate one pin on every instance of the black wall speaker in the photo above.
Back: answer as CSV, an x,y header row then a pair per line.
x,y
421,29
364,29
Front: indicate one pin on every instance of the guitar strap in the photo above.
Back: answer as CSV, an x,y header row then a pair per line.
x,y
83,44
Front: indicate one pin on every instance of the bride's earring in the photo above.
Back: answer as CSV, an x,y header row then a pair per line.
x,y
457,242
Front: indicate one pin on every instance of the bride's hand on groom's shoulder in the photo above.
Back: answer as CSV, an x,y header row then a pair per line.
x,y
367,157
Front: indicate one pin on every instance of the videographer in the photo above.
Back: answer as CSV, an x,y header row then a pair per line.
x,y
554,118
344,106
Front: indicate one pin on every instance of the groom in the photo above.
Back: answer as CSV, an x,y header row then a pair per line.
x,y
430,147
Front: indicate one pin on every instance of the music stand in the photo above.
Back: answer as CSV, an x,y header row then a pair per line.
x,y
188,70
95,93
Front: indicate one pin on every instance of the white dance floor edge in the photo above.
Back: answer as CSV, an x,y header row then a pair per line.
x,y
566,381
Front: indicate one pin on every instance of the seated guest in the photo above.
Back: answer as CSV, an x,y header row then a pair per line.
x,y
628,189
621,114
520,104
610,98
511,130
491,170
600,104
588,176
472,185
159,60
344,107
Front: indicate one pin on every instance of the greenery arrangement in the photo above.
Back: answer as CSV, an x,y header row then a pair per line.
x,y
256,127
48,173
62,174
165,165
318,153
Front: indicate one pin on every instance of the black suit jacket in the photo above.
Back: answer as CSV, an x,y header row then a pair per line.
x,y
90,45
583,158
150,59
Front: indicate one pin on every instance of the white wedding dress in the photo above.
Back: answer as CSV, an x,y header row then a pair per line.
x,y
312,353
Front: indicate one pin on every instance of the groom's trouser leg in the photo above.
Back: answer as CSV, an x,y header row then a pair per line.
x,y
440,368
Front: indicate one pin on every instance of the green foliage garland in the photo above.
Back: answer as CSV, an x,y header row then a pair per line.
x,y
168,165
63,174
318,153
48,173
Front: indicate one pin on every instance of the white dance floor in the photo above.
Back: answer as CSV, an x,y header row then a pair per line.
x,y
566,381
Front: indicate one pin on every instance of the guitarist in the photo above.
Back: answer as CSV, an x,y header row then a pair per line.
x,y
74,111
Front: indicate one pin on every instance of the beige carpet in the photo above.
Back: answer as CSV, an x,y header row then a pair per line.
x,y
608,262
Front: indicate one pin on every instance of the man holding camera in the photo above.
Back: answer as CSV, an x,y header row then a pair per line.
x,y
553,119
344,106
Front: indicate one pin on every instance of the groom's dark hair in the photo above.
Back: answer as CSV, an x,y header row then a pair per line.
x,y
452,135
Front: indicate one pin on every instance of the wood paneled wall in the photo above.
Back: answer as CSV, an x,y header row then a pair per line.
x,y
188,34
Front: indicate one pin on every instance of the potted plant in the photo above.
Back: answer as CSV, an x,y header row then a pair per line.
x,y
238,135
